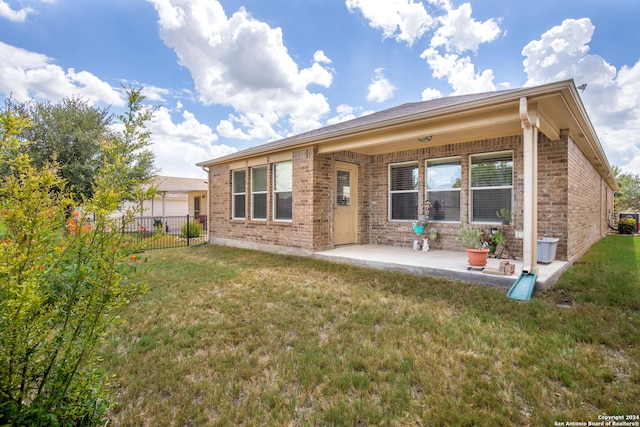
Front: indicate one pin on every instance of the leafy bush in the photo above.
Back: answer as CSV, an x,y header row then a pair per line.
x,y
626,225
191,229
64,279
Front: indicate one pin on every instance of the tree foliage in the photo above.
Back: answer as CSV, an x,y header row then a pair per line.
x,y
627,198
63,279
71,134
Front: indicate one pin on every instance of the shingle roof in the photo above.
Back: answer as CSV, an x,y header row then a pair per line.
x,y
369,120
180,185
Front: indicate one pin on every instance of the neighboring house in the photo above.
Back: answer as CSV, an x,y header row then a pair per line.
x,y
533,151
175,197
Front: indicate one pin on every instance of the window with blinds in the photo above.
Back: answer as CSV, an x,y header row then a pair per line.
x,y
259,193
239,195
403,191
491,185
283,191
444,181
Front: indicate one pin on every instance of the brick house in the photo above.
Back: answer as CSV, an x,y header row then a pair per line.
x,y
532,151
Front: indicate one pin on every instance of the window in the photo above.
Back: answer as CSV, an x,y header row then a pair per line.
x,y
283,191
239,200
403,191
444,180
491,185
259,193
343,188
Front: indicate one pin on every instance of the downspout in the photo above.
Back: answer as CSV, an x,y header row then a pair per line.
x,y
530,124
208,201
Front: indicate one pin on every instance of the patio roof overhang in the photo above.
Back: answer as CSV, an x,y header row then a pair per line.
x,y
556,108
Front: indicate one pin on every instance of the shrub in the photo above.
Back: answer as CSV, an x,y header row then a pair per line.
x,y
191,229
626,225
470,237
65,276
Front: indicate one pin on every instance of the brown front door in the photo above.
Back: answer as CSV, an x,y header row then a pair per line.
x,y
345,204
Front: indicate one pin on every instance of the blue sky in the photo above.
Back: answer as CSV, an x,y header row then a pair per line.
x,y
231,74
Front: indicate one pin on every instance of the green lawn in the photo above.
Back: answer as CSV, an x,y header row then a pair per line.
x,y
236,337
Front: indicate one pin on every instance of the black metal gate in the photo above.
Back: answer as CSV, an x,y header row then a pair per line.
x,y
161,232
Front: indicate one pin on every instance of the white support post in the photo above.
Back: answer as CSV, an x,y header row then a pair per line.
x,y
530,125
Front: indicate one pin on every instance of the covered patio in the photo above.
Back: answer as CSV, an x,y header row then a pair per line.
x,y
439,263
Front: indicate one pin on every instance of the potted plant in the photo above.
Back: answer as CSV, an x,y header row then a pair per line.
x,y
471,239
433,234
497,237
504,214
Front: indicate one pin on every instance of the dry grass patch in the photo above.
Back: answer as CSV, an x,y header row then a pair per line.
x,y
235,337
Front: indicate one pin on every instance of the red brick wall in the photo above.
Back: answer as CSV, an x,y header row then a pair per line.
x,y
588,206
571,206
394,233
553,163
297,233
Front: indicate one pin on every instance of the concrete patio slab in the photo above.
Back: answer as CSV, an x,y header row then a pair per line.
x,y
438,263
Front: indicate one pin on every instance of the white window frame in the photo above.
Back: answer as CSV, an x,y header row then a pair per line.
x,y
265,192
234,194
436,162
500,187
275,192
391,193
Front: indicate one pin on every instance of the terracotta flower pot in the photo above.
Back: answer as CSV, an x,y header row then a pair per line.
x,y
478,257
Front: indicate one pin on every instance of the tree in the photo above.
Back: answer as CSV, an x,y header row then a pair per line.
x,y
70,133
63,281
627,197
67,132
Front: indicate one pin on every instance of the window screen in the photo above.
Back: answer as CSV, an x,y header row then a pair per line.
x,y
239,200
491,186
282,191
403,191
259,193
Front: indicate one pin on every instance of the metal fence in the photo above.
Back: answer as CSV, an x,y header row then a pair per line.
x,y
161,232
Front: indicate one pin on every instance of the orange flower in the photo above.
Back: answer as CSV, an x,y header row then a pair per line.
x,y
134,258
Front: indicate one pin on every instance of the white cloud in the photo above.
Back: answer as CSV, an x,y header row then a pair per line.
x,y
459,32
242,62
459,72
14,15
346,112
456,32
155,93
404,20
321,58
380,88
612,97
317,74
430,93
194,141
562,53
259,126
25,75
